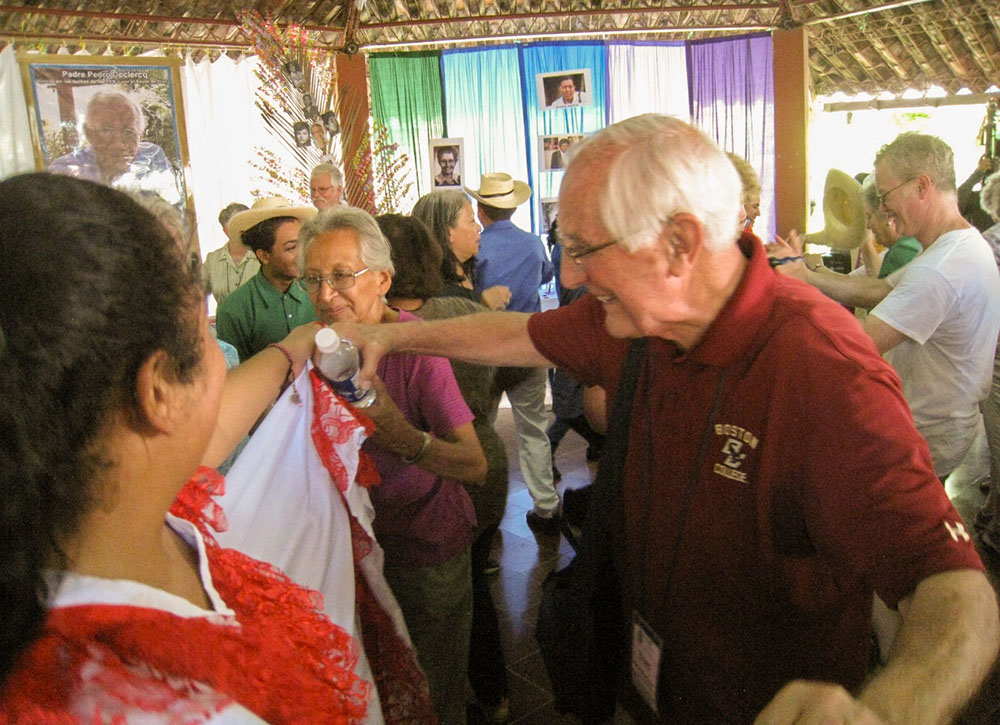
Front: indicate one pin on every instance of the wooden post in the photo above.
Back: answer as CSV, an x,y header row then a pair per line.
x,y
791,113
352,87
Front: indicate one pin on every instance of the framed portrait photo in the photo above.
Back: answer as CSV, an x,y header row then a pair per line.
x,y
118,122
554,151
564,89
446,160
549,210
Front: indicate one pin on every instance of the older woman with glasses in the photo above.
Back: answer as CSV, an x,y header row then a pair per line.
x,y
424,447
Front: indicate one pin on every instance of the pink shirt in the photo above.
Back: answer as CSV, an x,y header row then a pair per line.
x,y
421,519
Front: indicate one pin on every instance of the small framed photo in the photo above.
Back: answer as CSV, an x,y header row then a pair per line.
x,y
446,160
554,151
564,89
549,211
302,137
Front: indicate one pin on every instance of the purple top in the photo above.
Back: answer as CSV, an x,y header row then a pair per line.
x,y
421,519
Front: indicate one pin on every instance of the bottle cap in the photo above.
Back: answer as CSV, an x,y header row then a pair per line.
x,y
327,340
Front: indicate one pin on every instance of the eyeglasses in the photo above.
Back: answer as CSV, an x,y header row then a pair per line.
x,y
579,256
106,133
883,195
320,189
337,280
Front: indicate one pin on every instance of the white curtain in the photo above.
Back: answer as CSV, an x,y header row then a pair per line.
x,y
647,79
16,154
223,129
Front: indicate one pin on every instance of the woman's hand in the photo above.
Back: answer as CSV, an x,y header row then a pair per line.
x,y
300,343
496,297
456,455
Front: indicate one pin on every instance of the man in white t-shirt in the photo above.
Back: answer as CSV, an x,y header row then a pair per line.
x,y
936,319
938,325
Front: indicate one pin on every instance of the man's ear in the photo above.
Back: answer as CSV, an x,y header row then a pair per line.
x,y
156,393
682,238
263,256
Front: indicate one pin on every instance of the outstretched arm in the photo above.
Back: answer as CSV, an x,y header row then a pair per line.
x,y
486,338
946,645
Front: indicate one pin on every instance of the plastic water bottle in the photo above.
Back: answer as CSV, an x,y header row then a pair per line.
x,y
337,360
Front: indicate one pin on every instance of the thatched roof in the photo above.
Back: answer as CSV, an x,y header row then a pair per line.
x,y
854,45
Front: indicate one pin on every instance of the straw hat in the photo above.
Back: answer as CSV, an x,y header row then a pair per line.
x,y
843,213
264,209
500,190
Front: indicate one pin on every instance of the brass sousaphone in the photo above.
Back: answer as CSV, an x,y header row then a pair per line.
x,y
843,213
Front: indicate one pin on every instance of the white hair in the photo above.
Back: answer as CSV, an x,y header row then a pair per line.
x,y
376,252
336,178
114,98
658,166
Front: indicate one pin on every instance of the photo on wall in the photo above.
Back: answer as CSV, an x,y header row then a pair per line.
x,y
564,89
116,122
446,158
549,211
554,151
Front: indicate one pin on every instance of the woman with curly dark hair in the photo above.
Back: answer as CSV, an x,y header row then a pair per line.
x,y
110,394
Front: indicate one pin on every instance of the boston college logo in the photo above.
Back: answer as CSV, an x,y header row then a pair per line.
x,y
737,444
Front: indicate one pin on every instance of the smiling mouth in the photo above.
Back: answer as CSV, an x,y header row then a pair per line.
x,y
604,299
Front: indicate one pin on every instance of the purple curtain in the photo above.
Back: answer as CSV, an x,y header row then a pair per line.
x,y
732,100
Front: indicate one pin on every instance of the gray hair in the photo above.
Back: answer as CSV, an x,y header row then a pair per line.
x,y
439,210
869,193
336,178
989,196
111,98
658,166
375,250
911,154
226,214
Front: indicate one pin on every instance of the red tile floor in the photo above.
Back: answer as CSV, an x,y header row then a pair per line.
x,y
526,558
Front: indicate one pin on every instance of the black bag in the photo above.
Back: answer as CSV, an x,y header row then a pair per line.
x,y
582,630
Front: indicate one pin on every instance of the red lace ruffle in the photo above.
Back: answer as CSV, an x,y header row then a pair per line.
x,y
280,657
402,685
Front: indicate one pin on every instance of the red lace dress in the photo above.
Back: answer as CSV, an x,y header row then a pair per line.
x,y
117,651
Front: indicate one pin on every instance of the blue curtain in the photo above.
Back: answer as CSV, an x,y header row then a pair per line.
x,y
484,105
548,58
732,100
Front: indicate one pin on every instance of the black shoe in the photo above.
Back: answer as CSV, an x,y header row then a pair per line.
x,y
541,525
492,567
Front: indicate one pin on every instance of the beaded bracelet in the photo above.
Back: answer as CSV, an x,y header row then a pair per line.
x,y
291,368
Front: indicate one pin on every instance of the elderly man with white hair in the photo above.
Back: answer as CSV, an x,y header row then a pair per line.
x,y
115,153
773,480
326,186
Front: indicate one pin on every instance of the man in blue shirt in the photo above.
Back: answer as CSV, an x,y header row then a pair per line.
x,y
512,257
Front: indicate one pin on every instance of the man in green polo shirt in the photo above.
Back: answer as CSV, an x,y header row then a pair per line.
x,y
271,303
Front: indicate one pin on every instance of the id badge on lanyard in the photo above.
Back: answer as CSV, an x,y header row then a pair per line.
x,y
647,653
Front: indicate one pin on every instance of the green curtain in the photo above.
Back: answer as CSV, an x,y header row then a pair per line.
x,y
406,99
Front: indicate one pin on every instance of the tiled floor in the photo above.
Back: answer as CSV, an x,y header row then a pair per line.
x,y
526,558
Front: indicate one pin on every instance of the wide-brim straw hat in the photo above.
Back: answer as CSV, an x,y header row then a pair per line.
x,y
500,190
264,209
843,212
